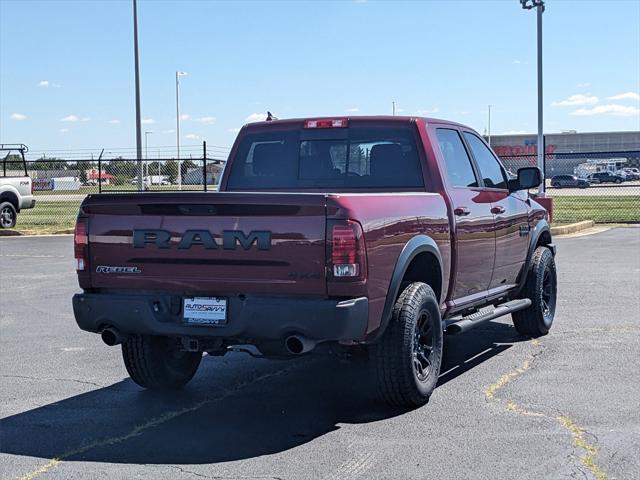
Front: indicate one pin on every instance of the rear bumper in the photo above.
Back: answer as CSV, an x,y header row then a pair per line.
x,y
27,201
249,318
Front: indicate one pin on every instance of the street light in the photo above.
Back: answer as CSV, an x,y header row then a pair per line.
x,y
489,136
137,81
178,75
539,6
146,152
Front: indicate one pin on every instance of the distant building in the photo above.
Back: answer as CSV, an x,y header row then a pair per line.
x,y
94,176
194,175
565,151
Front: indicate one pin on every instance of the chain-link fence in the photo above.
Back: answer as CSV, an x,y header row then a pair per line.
x,y
599,186
602,186
60,186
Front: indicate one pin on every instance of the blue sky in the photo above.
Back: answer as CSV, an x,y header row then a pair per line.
x,y
66,67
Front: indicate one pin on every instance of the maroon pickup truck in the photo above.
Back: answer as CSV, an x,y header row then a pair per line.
x,y
386,232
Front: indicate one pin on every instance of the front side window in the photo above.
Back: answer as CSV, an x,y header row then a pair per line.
x,y
459,169
490,169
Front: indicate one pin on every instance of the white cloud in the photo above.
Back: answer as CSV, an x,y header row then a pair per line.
x,y
205,119
517,62
192,136
148,121
256,117
428,111
85,119
47,84
609,109
185,116
576,100
64,130
70,118
115,121
626,96
233,130
168,131
18,116
584,85
352,110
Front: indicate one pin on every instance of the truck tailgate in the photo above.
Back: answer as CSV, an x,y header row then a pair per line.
x,y
214,243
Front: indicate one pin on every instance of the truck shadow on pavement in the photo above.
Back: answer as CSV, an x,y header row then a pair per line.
x,y
253,408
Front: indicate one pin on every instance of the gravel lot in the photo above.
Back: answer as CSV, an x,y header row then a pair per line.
x,y
562,406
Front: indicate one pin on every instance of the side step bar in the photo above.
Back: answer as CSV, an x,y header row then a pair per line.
x,y
475,319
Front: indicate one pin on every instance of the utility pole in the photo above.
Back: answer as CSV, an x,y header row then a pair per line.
x,y
146,152
393,108
539,6
489,136
178,75
137,74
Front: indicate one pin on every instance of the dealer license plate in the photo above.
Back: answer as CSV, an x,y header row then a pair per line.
x,y
205,311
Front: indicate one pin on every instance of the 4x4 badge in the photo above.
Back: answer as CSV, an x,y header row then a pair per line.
x,y
524,230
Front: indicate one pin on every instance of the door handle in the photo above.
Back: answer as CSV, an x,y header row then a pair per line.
x,y
462,211
498,209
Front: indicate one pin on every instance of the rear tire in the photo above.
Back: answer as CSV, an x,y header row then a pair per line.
x,y
157,363
8,215
407,358
541,288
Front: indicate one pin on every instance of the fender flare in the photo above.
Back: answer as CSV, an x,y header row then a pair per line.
x,y
10,194
541,227
417,245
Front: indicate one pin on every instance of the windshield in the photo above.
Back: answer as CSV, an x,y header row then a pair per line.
x,y
341,158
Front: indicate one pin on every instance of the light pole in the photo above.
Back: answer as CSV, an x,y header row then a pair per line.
x,y
137,81
146,152
178,75
489,128
539,6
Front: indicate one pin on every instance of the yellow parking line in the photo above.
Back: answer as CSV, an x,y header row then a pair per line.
x,y
138,429
589,459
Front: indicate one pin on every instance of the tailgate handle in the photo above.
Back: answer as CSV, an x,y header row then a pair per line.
x,y
197,209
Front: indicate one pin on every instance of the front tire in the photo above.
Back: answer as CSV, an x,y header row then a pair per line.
x,y
541,288
407,358
157,363
8,215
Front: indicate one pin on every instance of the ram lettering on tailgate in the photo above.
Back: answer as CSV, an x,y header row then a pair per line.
x,y
230,239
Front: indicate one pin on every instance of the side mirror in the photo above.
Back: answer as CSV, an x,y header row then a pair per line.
x,y
528,177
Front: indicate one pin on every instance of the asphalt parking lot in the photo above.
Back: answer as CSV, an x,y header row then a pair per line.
x,y
562,406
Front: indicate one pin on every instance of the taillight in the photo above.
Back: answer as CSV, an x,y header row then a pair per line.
x,y
80,244
31,180
347,256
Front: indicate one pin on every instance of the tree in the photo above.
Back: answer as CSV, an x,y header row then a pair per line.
x,y
170,169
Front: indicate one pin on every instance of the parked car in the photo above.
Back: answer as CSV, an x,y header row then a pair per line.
x,y
605,177
632,173
376,233
16,188
559,181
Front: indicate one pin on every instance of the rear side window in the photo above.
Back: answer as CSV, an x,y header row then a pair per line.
x,y
490,169
355,157
459,169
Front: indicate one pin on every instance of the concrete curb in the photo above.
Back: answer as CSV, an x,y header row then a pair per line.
x,y
34,233
572,227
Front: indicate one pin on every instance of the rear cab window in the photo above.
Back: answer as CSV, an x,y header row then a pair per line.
x,y
362,155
